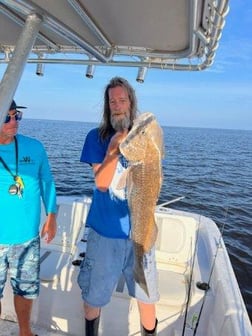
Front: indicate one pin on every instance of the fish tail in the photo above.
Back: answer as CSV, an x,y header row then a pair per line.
x,y
140,279
139,274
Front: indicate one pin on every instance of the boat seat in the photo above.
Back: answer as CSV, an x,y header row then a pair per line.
x,y
175,244
71,218
51,264
175,248
173,288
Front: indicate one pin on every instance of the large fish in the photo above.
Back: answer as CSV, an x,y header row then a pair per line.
x,y
143,148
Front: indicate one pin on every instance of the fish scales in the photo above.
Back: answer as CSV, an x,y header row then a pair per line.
x,y
143,148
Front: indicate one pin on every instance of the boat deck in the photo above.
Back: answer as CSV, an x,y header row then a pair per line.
x,y
120,317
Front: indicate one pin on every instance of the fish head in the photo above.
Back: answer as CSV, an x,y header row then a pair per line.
x,y
145,132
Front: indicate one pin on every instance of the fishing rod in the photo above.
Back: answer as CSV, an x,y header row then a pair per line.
x,y
170,202
206,285
193,260
191,277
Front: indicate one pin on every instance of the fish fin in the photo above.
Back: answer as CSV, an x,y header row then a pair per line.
x,y
123,180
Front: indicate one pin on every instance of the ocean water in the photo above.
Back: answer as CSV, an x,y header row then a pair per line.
x,y
212,168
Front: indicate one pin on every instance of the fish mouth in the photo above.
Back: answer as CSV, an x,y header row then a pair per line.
x,y
137,128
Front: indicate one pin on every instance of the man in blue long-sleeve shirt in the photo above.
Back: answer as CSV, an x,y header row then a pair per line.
x,y
25,178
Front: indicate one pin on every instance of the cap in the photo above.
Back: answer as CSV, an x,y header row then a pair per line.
x,y
14,106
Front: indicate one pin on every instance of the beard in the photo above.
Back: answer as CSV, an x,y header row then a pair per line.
x,y
120,124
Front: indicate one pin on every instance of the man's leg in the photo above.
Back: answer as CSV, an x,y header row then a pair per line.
x,y
92,319
91,312
24,278
98,279
23,309
146,304
147,313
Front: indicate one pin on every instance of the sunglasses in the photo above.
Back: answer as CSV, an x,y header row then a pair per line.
x,y
17,115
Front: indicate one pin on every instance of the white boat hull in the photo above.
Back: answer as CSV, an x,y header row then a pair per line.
x,y
182,236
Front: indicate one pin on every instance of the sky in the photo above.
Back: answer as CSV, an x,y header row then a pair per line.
x,y
219,97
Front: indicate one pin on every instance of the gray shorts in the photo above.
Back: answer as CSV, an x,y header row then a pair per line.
x,y
22,263
105,262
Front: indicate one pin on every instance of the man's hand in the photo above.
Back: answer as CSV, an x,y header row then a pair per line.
x,y
115,141
49,228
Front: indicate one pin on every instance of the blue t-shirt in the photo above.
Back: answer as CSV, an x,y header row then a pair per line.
x,y
20,216
109,212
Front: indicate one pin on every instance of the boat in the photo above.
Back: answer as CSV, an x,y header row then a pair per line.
x,y
199,293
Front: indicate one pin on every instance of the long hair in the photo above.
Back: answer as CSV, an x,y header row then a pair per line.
x,y
105,127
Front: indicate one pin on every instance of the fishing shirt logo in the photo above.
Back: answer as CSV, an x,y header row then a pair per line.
x,y
25,160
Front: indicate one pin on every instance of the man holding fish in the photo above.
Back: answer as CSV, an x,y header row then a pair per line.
x,y
120,241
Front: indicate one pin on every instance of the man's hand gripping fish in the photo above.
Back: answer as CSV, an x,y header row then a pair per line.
x,y
143,148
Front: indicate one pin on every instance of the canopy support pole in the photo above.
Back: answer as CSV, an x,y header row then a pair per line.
x,y
17,63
